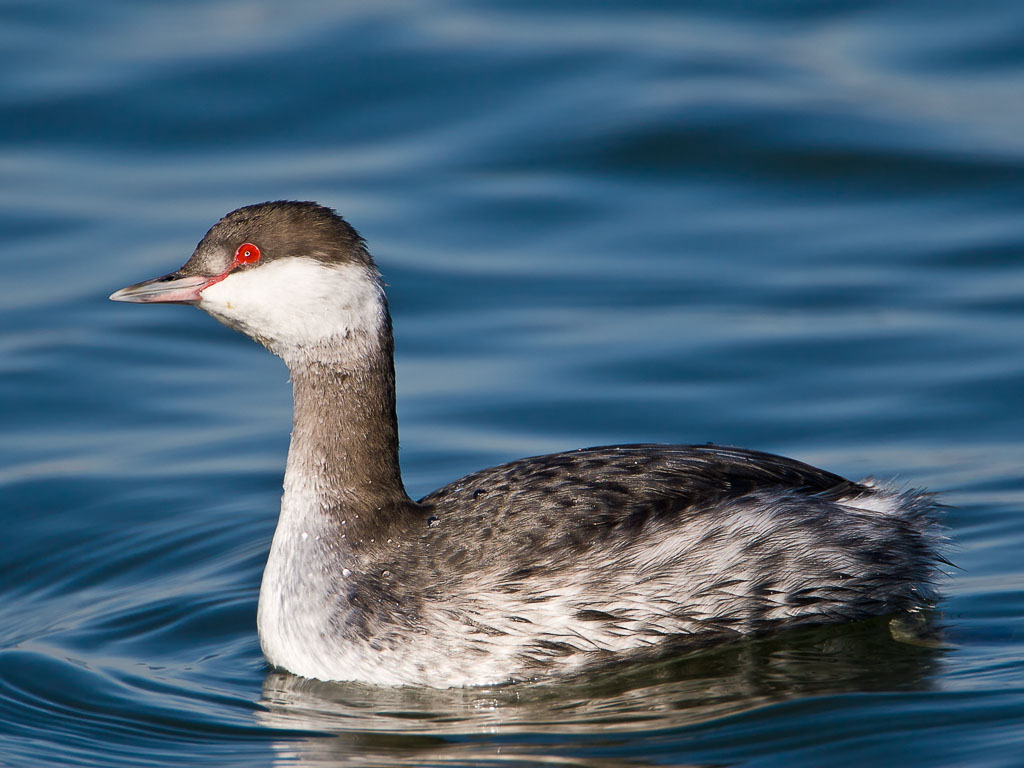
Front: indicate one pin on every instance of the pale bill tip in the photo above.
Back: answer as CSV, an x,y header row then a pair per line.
x,y
119,295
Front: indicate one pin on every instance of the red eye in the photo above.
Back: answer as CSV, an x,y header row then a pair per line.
x,y
247,253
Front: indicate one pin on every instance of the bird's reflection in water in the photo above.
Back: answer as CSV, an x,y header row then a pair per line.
x,y
357,724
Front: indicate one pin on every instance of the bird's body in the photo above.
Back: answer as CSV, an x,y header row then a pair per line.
x,y
539,567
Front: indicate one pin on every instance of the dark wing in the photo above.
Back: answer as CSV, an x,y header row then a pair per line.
x,y
579,497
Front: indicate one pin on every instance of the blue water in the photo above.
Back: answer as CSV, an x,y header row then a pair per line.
x,y
796,227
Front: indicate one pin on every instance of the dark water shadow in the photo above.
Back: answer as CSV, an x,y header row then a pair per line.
x,y
585,720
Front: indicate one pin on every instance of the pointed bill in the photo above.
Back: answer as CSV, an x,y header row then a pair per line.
x,y
169,289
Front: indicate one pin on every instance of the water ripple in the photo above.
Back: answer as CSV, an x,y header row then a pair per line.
x,y
791,227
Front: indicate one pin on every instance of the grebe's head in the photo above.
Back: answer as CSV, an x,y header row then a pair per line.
x,y
294,276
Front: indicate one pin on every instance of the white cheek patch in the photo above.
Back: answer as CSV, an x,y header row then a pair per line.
x,y
296,303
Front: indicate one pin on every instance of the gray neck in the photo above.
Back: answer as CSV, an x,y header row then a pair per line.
x,y
343,459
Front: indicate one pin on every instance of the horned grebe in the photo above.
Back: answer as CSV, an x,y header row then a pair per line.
x,y
534,568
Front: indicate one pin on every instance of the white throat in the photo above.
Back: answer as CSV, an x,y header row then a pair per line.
x,y
299,307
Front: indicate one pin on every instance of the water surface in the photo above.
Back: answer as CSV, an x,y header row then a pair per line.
x,y
794,227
